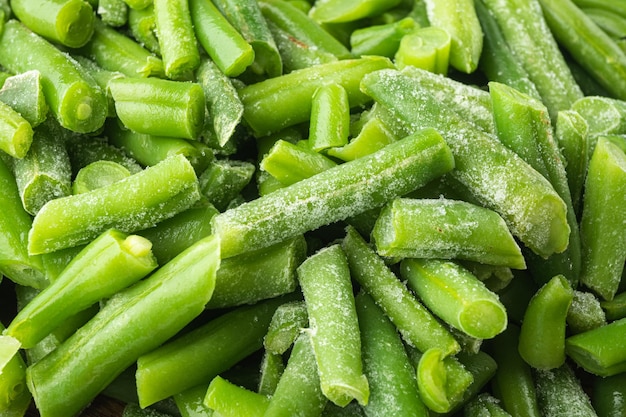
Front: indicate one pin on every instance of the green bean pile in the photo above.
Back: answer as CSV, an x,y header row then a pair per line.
x,y
280,208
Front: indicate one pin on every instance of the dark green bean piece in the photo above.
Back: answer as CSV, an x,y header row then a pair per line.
x,y
86,150
76,219
74,98
542,335
585,313
224,179
68,22
44,174
560,394
484,405
115,338
199,355
24,93
607,395
599,350
334,194
615,308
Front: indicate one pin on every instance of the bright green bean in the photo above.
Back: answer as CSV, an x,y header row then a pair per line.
x,y
542,335
585,313
599,350
330,117
98,174
560,393
74,98
76,219
159,107
313,202
16,133
426,48
615,308
84,282
87,150
113,12
116,337
447,229
177,39
416,324
337,11
271,369
24,93
68,22
230,400
607,395
391,377
373,136
287,323
142,25
290,163
383,39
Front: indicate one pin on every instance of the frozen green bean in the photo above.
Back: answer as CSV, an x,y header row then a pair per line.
x,y
290,163
287,322
76,219
599,350
98,174
224,179
337,11
426,48
16,133
315,201
330,117
560,393
585,313
142,25
230,400
24,93
383,39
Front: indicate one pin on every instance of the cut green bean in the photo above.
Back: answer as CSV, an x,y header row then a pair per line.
x,y
113,12
458,18
337,11
416,324
199,355
68,22
258,275
15,395
87,150
272,368
76,219
447,229
294,92
571,133
44,174
290,163
102,78
456,296
484,405
603,258
616,308
84,282
224,180
588,44
426,48
534,212
138,4
315,201
73,97
513,382
24,93
98,174
526,32
247,18
391,377
599,350
603,115
190,403
585,313
542,335
517,294
16,134
334,327
373,136
177,39
287,323
149,150
607,395
115,51
159,107
299,391
224,106
230,400
115,338
142,25
330,117
383,39
560,394
15,262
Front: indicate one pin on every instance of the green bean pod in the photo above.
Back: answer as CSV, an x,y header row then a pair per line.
x,y
542,335
560,393
199,355
496,177
456,296
16,133
287,323
74,98
70,377
84,282
426,48
383,39
159,107
373,136
337,11
15,396
334,194
87,150
484,405
588,44
24,93
299,390
98,174
391,377
603,257
294,92
599,350
230,400
333,325
330,117
113,12
44,173
15,262
142,25
68,22
585,313
459,19
115,51
272,367
416,324
616,308
446,229
607,394
290,163
190,403
76,219
177,38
